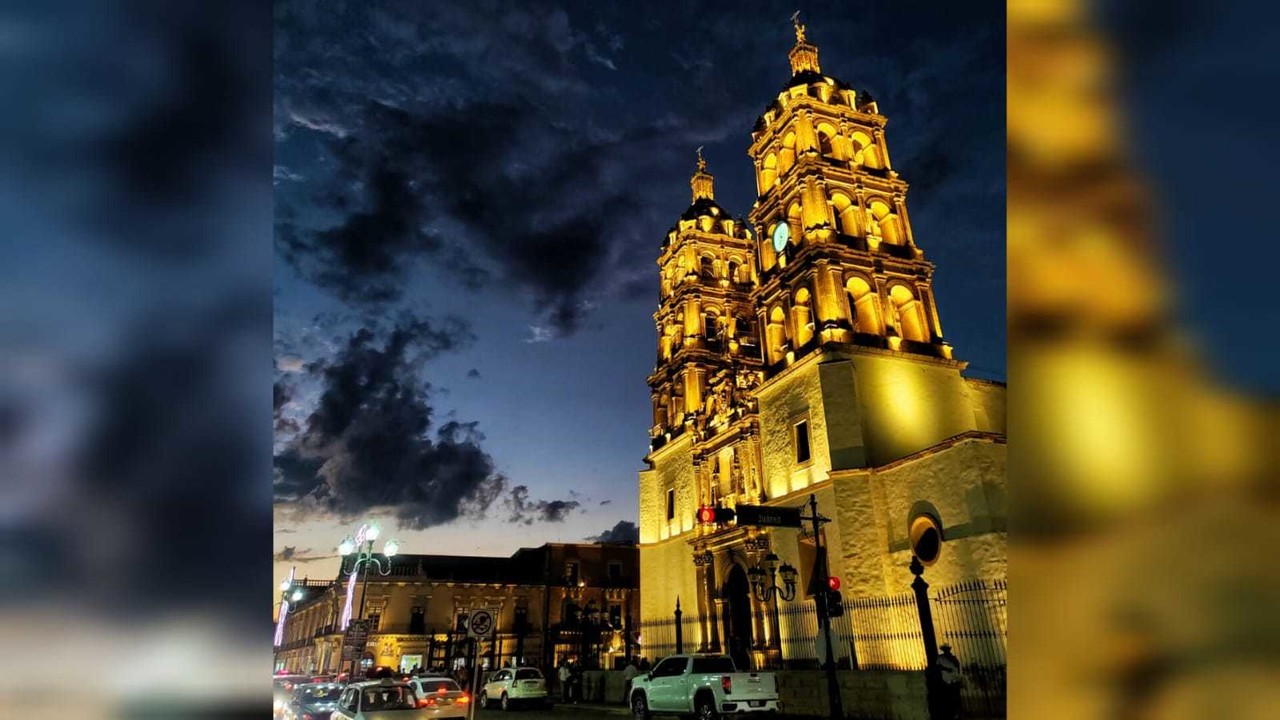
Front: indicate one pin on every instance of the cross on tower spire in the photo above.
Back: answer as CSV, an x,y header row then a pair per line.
x,y
804,56
703,183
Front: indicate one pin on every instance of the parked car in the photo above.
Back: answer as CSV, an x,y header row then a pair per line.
x,y
510,687
705,686
384,699
313,701
441,696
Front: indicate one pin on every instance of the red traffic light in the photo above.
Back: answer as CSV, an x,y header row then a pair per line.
x,y
712,515
833,582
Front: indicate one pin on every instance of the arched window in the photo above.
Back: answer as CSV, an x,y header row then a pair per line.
x,y
787,157
802,314
846,214
707,268
735,269
864,307
768,173
713,327
827,144
884,222
911,322
776,335
865,152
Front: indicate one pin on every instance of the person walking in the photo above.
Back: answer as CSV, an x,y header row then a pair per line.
x,y
564,676
629,673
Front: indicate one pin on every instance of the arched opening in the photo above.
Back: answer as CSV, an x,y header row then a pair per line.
x,y
737,617
707,268
660,407
884,222
793,219
787,157
911,324
776,335
827,144
846,214
713,327
802,315
865,152
768,173
863,307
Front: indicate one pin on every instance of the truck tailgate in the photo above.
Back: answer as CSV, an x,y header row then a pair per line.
x,y
752,686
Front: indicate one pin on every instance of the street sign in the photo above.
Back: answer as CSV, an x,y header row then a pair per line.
x,y
768,515
480,624
355,639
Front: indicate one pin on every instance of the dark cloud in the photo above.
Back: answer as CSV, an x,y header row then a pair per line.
x,y
605,502
625,532
473,373
527,512
371,442
290,553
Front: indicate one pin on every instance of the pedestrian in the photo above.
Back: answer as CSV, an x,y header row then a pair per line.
x,y
576,675
564,676
950,680
629,673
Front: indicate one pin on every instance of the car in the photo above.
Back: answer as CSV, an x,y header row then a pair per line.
x,y
514,686
441,696
384,699
313,701
706,686
282,690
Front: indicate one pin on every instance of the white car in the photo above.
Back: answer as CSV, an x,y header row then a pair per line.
x,y
514,686
379,700
440,696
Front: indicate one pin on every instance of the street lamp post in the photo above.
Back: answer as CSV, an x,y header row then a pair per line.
x,y
288,591
362,548
770,592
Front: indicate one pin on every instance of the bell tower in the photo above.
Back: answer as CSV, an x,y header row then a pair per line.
x,y
708,345
838,262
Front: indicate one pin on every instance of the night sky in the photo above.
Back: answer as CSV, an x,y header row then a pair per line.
x,y
470,199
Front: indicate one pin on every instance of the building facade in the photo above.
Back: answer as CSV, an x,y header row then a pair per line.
x,y
800,351
552,603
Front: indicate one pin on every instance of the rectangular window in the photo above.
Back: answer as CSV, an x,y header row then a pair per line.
x,y
802,441
571,572
615,616
615,570
671,503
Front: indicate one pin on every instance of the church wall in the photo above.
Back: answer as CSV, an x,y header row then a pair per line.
x,y
908,405
964,485
785,400
988,399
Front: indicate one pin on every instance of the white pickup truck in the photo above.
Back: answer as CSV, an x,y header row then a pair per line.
x,y
704,686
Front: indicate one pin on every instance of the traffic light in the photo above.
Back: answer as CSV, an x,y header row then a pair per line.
x,y
833,582
714,515
835,602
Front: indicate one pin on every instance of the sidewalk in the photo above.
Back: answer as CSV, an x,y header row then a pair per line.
x,y
594,709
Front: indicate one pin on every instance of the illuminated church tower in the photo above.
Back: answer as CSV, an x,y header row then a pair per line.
x,y
802,354
838,259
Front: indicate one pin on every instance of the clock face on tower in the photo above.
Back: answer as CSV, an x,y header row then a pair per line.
x,y
781,233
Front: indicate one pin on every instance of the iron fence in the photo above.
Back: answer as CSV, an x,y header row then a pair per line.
x,y
882,633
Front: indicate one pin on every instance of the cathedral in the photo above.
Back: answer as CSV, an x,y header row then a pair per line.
x,y
800,352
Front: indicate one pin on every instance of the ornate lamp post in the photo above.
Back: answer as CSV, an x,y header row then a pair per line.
x,y
772,567
362,547
287,592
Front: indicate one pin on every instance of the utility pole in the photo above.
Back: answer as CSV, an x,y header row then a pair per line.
x,y
833,684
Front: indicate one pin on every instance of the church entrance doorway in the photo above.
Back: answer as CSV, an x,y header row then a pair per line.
x,y
737,617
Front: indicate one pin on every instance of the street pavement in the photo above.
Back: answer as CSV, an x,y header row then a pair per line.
x,y
559,712
575,712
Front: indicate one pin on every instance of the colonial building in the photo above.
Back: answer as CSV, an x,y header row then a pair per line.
x,y
801,351
553,602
